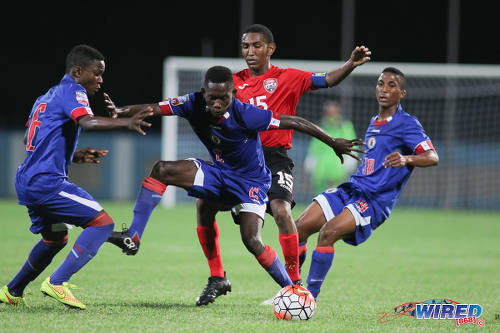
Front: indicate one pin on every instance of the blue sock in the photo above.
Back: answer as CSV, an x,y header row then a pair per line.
x,y
85,248
39,258
272,264
321,261
278,272
146,201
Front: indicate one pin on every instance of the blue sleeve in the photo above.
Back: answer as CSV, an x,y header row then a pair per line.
x,y
183,106
414,134
253,118
76,102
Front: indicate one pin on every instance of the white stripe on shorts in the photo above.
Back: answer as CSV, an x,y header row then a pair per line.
x,y
199,178
250,208
86,202
360,220
325,207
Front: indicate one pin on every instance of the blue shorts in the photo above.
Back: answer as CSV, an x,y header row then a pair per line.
x,y
230,189
69,205
333,201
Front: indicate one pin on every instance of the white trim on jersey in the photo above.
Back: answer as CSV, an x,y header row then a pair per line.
x,y
86,202
250,208
274,123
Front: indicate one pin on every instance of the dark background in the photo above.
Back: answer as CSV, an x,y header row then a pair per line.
x,y
136,39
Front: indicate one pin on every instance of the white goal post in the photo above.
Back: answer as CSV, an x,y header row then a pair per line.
x,y
458,105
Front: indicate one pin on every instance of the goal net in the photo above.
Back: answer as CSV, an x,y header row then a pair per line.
x,y
458,105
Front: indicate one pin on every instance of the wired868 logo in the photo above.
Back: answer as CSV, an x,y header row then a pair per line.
x,y
437,309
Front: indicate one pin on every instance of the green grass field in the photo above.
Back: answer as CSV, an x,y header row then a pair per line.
x,y
415,256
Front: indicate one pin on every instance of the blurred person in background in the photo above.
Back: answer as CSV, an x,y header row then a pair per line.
x,y
323,167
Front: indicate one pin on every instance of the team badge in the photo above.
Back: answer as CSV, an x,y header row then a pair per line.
x,y
179,100
371,142
81,97
215,139
270,84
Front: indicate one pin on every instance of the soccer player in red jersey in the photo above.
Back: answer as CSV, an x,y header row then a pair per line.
x,y
270,87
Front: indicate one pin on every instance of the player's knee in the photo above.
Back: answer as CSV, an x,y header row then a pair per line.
x,y
205,210
58,238
103,221
254,244
282,216
162,169
328,236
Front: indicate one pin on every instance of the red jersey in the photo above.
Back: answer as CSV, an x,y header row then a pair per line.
x,y
278,90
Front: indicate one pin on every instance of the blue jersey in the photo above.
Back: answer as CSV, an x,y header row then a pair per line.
x,y
51,140
401,133
233,141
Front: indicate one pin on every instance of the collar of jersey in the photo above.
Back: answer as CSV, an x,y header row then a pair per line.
x,y
221,119
271,72
379,123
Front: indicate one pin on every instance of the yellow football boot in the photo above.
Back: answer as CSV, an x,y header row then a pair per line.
x,y
7,298
62,294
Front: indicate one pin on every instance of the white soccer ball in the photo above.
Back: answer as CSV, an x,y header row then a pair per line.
x,y
294,302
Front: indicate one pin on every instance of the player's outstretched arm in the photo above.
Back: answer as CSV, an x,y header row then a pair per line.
x,y
340,146
426,159
359,56
89,155
134,123
128,110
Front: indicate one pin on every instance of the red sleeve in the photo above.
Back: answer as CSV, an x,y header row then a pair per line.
x,y
80,111
302,80
166,109
423,146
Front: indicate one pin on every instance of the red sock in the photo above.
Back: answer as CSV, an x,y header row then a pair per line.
x,y
290,247
302,248
209,241
267,257
325,249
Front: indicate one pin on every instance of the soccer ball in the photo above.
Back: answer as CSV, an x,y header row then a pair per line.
x,y
294,302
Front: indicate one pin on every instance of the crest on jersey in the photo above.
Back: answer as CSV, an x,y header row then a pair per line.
x,y
371,142
81,97
270,84
215,139
179,100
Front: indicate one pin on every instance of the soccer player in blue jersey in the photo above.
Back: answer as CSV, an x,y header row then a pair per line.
x,y
396,143
237,177
53,203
